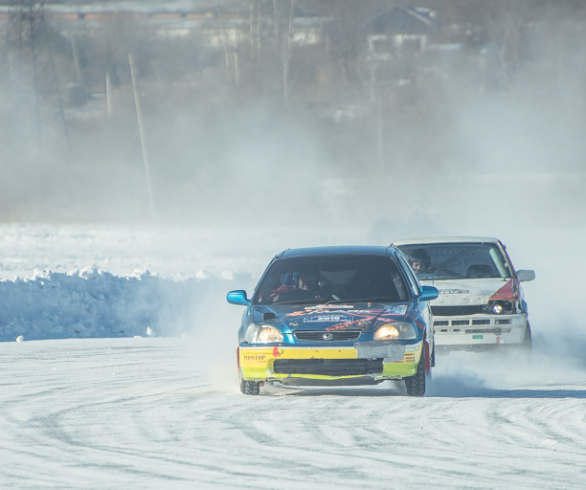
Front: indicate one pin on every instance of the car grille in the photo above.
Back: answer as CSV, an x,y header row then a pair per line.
x,y
457,323
330,336
480,322
460,322
329,367
457,310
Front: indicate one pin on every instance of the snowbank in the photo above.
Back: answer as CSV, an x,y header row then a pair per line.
x,y
94,303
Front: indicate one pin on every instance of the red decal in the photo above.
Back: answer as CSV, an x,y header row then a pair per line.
x,y
498,339
342,326
419,324
509,291
276,352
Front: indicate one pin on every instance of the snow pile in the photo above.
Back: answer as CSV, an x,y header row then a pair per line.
x,y
94,303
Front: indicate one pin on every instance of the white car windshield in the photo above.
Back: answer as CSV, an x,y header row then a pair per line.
x,y
441,261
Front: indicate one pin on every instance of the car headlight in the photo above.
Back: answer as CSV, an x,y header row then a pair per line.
x,y
267,334
263,334
499,307
392,331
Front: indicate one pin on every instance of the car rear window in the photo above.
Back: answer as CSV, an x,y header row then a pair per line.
x,y
456,260
348,278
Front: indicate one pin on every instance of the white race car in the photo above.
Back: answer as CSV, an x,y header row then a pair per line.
x,y
481,305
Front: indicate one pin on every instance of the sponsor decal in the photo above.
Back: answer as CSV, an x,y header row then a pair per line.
x,y
342,326
453,291
409,357
334,310
478,337
322,309
328,318
258,358
328,307
399,309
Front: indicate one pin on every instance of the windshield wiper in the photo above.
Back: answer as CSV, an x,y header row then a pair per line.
x,y
432,269
299,302
445,263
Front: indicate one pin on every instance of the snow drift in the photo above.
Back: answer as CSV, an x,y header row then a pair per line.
x,y
95,303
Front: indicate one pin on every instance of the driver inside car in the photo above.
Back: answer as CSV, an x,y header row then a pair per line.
x,y
307,282
306,285
419,260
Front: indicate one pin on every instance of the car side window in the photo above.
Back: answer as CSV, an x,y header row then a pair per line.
x,y
410,276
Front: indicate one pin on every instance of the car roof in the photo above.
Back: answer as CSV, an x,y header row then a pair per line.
x,y
335,250
447,239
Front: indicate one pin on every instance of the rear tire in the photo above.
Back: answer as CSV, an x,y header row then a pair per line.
x,y
415,385
249,387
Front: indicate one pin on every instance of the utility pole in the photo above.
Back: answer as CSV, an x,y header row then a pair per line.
x,y
33,90
145,155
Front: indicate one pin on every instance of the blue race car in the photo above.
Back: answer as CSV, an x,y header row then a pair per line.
x,y
336,316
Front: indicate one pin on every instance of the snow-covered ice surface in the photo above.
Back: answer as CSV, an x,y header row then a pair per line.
x,y
158,405
151,413
172,251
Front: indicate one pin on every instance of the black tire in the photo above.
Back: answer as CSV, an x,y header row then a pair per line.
x,y
432,357
415,385
527,344
249,387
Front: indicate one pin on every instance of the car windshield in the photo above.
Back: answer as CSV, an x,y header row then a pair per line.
x,y
442,261
332,279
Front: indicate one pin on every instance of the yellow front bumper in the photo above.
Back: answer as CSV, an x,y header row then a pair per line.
x,y
257,363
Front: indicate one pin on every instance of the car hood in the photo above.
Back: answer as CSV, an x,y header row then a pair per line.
x,y
352,316
466,291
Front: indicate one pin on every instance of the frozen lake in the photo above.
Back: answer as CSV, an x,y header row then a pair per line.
x,y
151,413
166,412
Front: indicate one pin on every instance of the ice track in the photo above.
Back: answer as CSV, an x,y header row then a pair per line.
x,y
147,413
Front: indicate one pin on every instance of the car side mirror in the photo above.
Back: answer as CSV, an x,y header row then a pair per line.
x,y
238,297
525,276
427,293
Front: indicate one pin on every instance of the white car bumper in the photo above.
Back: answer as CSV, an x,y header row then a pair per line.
x,y
479,331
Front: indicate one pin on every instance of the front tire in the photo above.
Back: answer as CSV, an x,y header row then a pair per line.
x,y
432,358
249,387
415,385
527,344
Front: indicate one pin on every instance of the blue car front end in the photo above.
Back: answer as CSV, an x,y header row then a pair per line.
x,y
332,340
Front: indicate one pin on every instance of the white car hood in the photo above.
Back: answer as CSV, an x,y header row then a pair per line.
x,y
454,292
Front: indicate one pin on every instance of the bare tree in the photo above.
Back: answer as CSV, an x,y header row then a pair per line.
x,y
507,27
